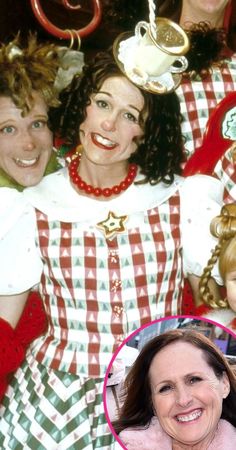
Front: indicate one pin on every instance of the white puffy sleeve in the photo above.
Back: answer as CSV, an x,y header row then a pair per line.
x,y
20,262
201,200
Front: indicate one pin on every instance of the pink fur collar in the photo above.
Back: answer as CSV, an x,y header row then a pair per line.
x,y
154,438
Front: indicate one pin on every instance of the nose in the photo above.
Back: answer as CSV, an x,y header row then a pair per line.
x,y
27,141
183,396
109,123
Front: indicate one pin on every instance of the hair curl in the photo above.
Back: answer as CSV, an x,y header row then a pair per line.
x,y
28,68
160,151
224,228
207,45
137,409
206,49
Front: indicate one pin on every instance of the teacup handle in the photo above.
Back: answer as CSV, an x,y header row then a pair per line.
x,y
141,25
183,65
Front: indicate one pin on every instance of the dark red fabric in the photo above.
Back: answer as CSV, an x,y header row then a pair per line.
x,y
11,354
33,321
13,343
11,350
202,310
188,306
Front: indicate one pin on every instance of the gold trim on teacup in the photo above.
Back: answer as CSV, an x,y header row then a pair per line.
x,y
173,34
172,40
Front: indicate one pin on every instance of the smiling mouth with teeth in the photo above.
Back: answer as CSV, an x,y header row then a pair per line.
x,y
189,417
26,162
105,143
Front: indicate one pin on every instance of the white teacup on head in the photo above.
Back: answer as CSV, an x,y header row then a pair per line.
x,y
153,63
156,55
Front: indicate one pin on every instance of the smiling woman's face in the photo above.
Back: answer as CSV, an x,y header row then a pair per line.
x,y
187,396
25,142
111,126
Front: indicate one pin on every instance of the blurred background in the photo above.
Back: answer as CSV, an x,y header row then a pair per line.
x,y
219,335
116,16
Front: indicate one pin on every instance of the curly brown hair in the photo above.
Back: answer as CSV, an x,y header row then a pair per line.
x,y
224,228
160,152
208,46
25,68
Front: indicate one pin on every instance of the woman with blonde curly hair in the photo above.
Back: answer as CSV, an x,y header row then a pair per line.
x,y
27,75
222,227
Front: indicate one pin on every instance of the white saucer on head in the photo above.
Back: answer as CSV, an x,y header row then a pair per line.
x,y
123,51
147,61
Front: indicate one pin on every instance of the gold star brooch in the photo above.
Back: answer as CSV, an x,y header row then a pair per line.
x,y
112,225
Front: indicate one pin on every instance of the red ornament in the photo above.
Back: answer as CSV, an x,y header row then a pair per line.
x,y
99,192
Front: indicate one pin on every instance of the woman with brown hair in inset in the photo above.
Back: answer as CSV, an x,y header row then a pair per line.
x,y
179,394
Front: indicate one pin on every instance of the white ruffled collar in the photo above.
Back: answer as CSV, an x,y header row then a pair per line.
x,y
58,199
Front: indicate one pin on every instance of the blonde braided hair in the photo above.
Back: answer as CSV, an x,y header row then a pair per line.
x,y
224,228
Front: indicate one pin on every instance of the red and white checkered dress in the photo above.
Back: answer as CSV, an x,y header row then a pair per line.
x,y
96,291
198,99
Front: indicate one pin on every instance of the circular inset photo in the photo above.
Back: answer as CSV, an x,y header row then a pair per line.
x,y
171,385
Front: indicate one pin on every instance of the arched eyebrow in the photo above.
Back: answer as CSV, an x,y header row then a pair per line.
x,y
109,95
185,377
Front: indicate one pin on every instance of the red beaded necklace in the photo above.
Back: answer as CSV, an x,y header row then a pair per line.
x,y
98,192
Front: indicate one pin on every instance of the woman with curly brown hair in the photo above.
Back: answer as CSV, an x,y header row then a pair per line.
x,y
106,239
211,73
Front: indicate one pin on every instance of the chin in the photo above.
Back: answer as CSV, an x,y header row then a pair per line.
x,y
30,181
33,177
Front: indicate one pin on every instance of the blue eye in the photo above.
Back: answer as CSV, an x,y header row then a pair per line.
x,y
39,124
7,130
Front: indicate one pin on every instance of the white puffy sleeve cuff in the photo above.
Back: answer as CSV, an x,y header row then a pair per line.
x,y
20,262
201,201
